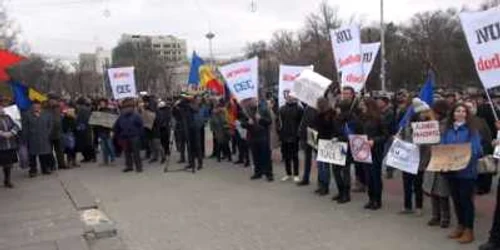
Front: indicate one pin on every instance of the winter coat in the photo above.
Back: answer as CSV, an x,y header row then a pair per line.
x,y
8,125
220,127
326,125
307,121
462,134
83,133
289,118
161,125
55,115
259,131
36,132
129,125
485,134
375,130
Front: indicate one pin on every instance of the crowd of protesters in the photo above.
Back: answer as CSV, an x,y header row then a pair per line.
x,y
53,133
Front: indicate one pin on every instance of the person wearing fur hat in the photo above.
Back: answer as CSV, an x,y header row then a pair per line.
x,y
413,184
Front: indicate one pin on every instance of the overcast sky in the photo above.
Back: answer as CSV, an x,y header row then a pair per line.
x,y
65,28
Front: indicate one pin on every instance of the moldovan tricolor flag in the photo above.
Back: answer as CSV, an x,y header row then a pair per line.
x,y
482,30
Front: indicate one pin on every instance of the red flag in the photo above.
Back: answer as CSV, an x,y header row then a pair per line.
x,y
7,59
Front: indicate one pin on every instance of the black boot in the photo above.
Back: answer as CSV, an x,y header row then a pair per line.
x,y
7,183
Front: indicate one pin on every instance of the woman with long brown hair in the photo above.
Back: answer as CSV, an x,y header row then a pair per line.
x,y
370,124
325,125
460,129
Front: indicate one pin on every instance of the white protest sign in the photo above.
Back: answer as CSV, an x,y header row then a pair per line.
x,y
360,149
242,78
288,74
14,113
122,82
346,43
333,152
496,152
403,156
426,132
310,86
482,30
370,52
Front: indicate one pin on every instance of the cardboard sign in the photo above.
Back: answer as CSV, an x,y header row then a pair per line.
x,y
426,132
148,118
242,78
370,52
103,119
482,30
346,43
360,149
14,113
333,152
449,157
310,86
312,138
122,82
404,156
288,74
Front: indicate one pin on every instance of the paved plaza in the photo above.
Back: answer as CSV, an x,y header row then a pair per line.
x,y
216,208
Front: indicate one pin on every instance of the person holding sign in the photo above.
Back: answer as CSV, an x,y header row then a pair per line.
x,y
325,123
460,129
370,124
413,183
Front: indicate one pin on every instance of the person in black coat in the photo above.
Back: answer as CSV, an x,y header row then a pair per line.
x,y
84,143
289,118
307,122
327,127
370,124
258,125
130,128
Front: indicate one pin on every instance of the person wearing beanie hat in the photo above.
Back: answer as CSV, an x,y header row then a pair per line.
x,y
419,106
413,183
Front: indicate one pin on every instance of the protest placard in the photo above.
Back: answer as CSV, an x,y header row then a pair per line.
x,y
122,82
449,157
332,151
404,156
346,43
103,119
426,132
242,78
370,52
312,138
148,118
288,74
14,113
310,86
481,31
360,149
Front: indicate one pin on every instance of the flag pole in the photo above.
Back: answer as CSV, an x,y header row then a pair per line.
x,y
491,105
382,41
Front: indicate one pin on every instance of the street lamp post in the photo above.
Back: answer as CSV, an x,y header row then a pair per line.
x,y
210,36
382,50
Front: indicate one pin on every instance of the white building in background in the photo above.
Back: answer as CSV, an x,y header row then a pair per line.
x,y
95,62
169,48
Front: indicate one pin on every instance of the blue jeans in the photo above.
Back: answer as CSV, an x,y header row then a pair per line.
x,y
107,149
462,194
324,174
308,151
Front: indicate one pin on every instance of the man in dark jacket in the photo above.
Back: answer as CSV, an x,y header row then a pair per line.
x,y
258,124
180,131
54,109
191,123
130,128
156,134
307,121
84,142
289,117
35,125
